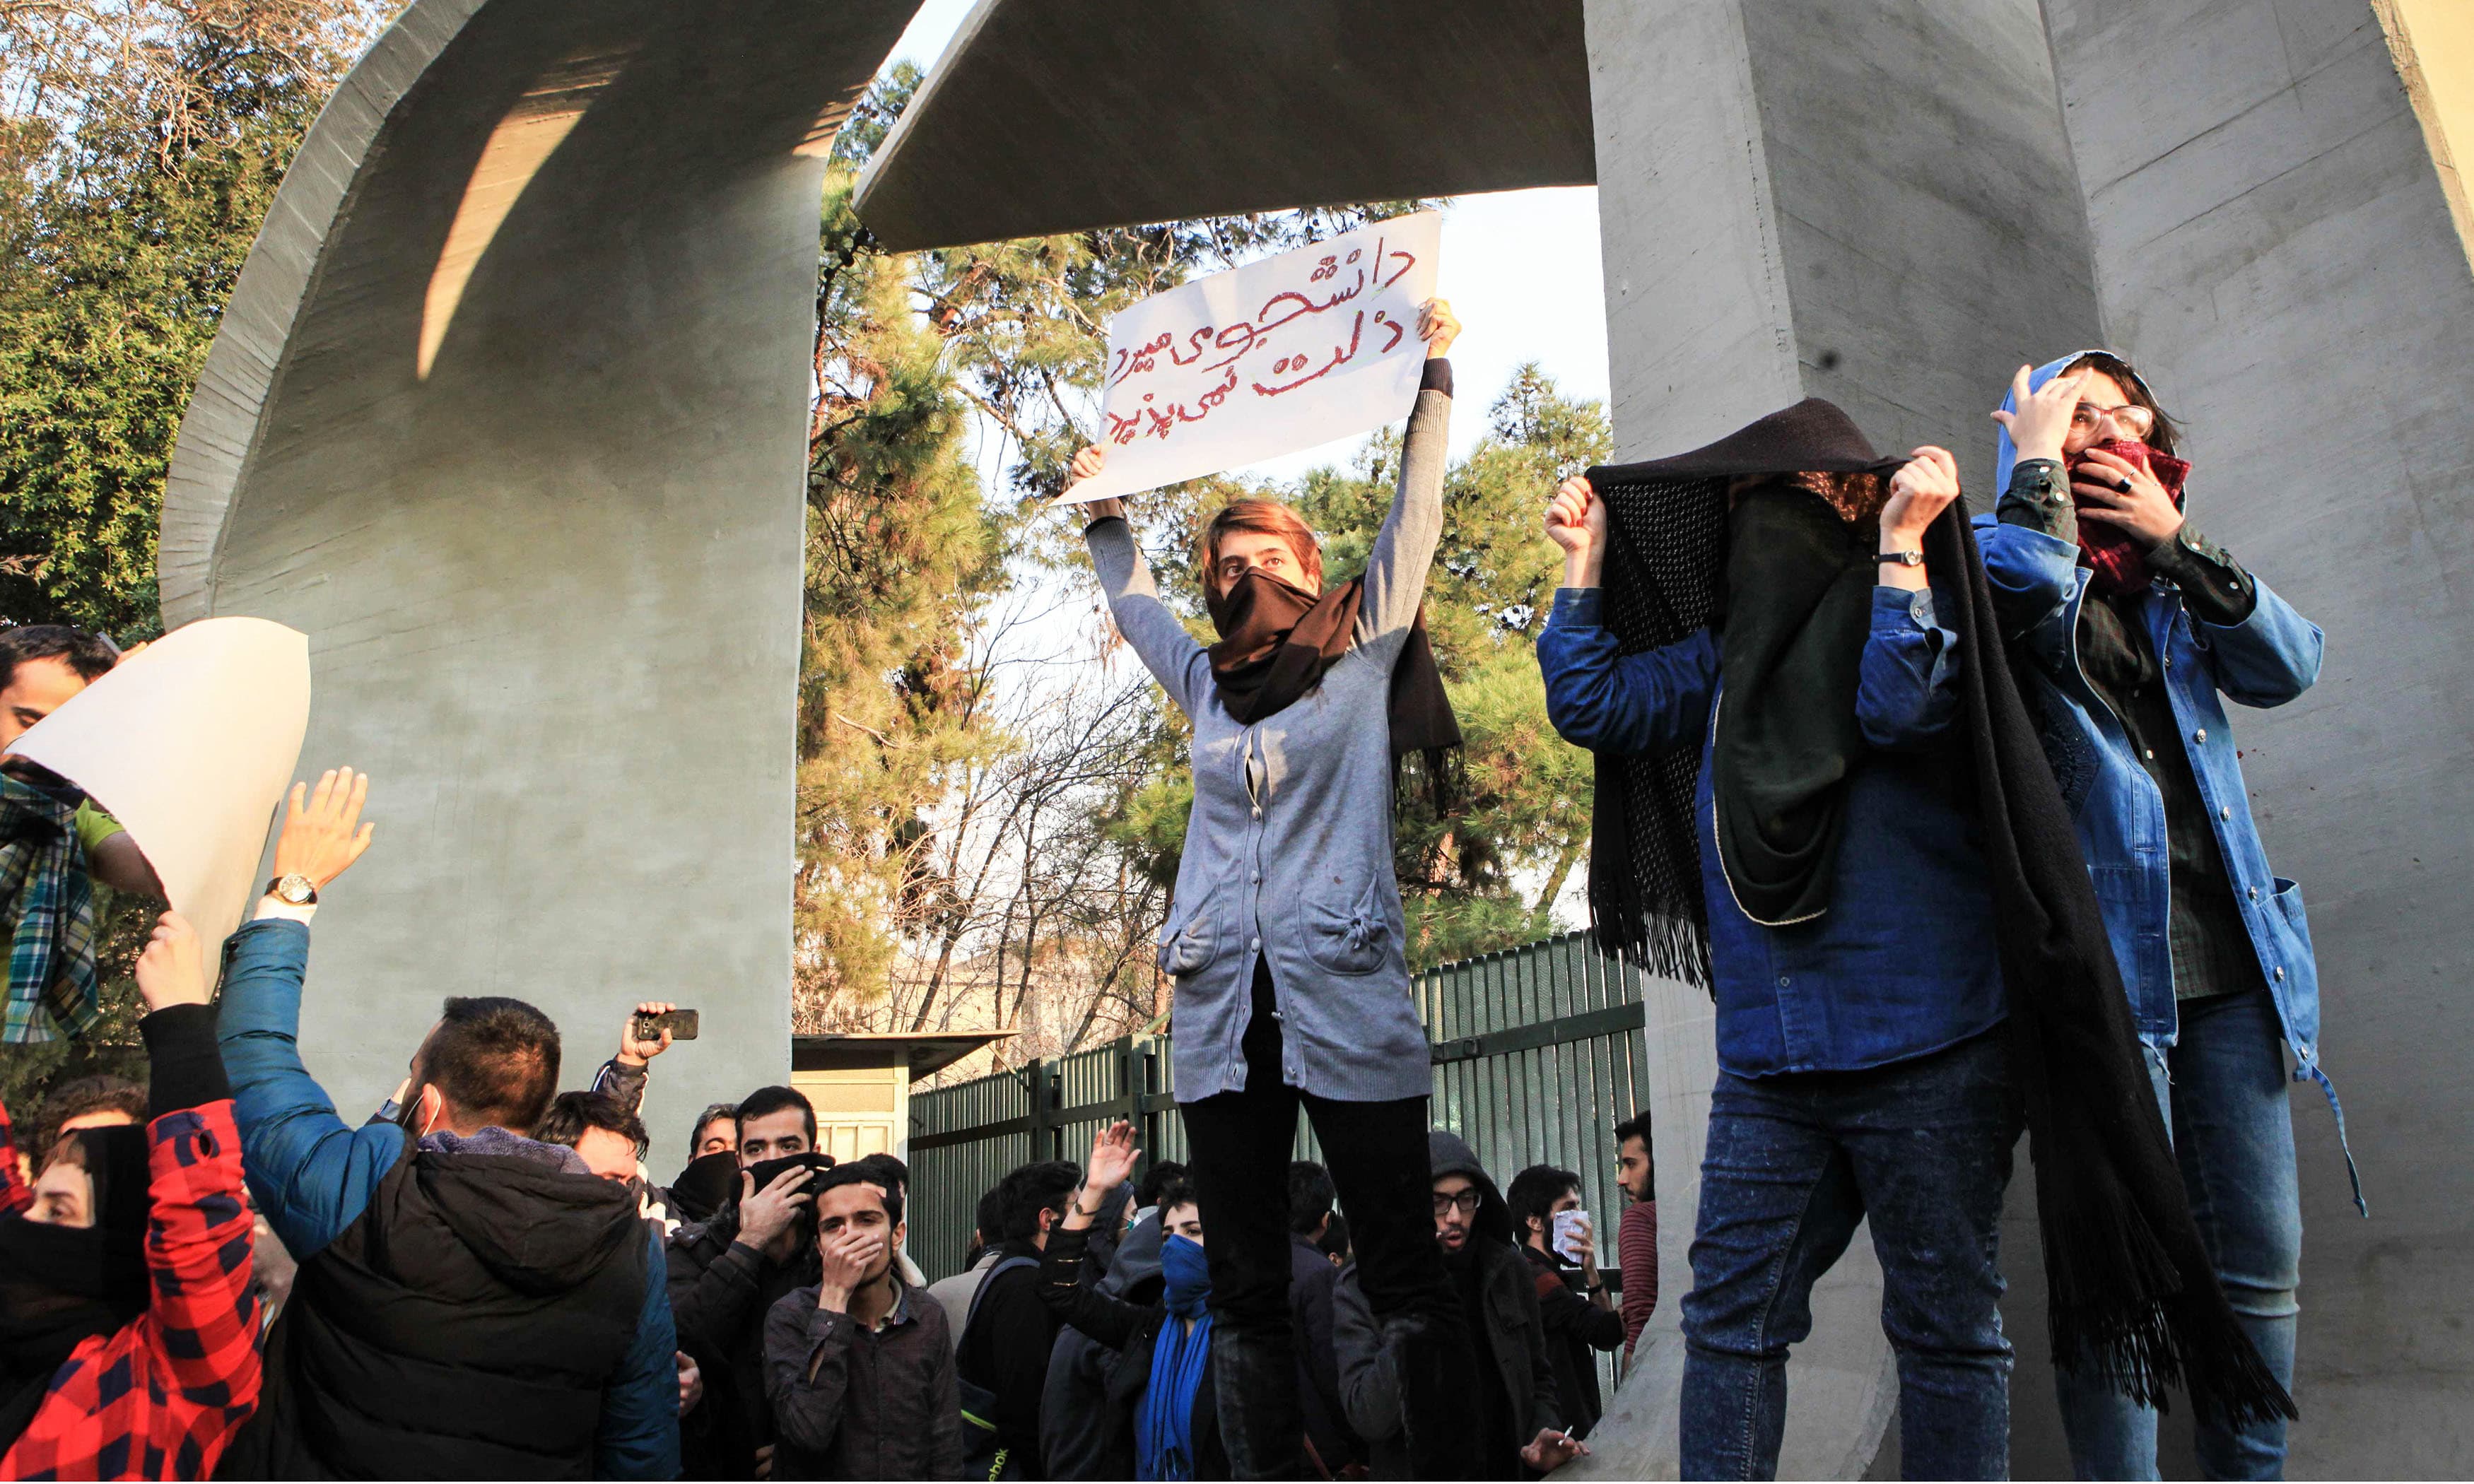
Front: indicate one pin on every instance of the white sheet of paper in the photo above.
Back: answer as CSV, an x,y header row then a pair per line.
x,y
1266,359
190,745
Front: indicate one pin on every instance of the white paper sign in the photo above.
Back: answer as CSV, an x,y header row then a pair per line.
x,y
190,744
1266,359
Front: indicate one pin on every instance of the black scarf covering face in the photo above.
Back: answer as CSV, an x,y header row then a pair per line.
x,y
1801,580
1666,577
1276,639
61,1286
2133,1300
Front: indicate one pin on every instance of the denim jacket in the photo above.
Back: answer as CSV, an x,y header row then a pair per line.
x,y
1903,963
2266,659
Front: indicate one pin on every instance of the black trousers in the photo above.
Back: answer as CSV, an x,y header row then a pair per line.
x,y
1376,1152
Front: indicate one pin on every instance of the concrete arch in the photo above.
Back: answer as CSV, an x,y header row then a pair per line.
x,y
507,413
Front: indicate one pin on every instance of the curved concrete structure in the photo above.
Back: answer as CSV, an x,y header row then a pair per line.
x,y
508,414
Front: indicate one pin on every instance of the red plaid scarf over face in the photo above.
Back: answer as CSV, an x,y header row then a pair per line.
x,y
2118,558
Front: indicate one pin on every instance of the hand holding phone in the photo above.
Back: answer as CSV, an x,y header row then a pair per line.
x,y
1571,1236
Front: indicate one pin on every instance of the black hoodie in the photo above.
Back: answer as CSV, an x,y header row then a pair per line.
x,y
1500,1303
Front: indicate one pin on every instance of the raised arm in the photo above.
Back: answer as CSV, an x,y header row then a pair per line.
x,y
1907,681
1109,1319
1149,626
1597,697
312,1173
1395,570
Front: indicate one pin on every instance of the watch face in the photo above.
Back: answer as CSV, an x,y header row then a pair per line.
x,y
296,889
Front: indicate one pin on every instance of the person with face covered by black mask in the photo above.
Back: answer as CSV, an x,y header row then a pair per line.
x,y
128,1322
726,1272
1287,939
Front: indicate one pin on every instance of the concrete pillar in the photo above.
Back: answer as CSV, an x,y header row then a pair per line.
x,y
1872,203
2275,251
508,415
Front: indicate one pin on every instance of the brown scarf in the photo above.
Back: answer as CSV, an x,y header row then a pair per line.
x,y
1276,639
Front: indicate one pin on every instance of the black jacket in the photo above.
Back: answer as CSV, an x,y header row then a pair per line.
x,y
1006,1348
1507,1310
1312,1282
1576,1330
463,1327
1131,1326
720,1292
1075,1440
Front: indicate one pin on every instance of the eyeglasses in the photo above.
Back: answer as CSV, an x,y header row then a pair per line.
x,y
1465,1200
2131,420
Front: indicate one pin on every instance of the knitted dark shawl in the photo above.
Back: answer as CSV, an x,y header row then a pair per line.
x,y
2133,1299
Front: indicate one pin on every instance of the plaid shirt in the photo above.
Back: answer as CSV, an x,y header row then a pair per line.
x,y
49,915
160,1398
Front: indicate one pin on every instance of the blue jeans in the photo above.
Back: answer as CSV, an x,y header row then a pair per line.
x,y
2223,1091
1794,1161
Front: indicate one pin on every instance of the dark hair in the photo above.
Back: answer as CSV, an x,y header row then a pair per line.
x,y
90,655
859,1172
1634,1127
570,1113
1022,1195
1177,1192
494,1061
885,1169
1310,1196
2167,432
765,1101
1534,1192
1147,1190
704,1120
1334,1243
985,1218
79,1098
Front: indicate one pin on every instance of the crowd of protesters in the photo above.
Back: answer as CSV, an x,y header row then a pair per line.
x,y
1968,826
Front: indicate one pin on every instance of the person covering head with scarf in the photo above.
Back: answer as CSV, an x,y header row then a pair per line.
x,y
1164,1420
1879,854
2130,627
128,1322
1287,937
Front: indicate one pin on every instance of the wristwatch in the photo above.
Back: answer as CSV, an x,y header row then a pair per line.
x,y
293,890
1901,558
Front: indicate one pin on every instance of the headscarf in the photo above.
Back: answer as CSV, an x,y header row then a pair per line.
x,y
1276,639
1789,589
49,912
61,1286
1164,1418
2133,1296
2118,559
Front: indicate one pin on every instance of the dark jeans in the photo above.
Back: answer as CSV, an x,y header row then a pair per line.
x,y
1242,1143
2222,1088
1794,1161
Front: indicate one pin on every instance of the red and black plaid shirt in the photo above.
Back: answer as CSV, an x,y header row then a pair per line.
x,y
159,1398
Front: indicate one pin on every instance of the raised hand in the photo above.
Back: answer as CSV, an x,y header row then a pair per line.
x,y
632,1052
1087,466
1437,326
1576,520
2043,418
171,968
1920,490
323,833
1112,1158
2111,490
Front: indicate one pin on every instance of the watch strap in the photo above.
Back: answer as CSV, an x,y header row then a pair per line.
x,y
1901,558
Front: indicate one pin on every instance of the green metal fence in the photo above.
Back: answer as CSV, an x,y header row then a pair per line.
x,y
1536,1053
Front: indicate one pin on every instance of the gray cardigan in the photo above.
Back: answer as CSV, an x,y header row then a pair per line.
x,y
1288,850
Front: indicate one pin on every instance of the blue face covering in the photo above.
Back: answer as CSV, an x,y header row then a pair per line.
x,y
1164,1418
1189,1275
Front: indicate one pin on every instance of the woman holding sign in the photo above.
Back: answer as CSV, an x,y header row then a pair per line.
x,y
1286,934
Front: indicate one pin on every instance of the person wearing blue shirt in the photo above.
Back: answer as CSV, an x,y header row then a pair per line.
x,y
1849,938
472,1304
2135,624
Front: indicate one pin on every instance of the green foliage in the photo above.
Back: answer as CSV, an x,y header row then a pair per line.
x,y
116,275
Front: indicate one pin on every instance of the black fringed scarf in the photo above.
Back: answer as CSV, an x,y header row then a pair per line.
x,y
2133,1299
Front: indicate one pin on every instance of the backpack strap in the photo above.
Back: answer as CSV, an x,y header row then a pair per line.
x,y
980,1293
